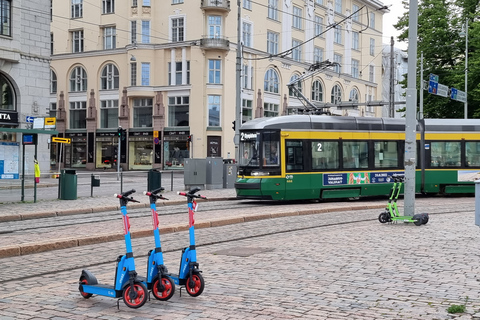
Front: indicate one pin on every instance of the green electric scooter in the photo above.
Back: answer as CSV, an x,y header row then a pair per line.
x,y
391,213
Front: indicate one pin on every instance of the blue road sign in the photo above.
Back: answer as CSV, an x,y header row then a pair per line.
x,y
29,119
433,84
453,94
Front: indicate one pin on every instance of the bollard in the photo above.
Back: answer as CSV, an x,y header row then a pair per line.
x,y
477,202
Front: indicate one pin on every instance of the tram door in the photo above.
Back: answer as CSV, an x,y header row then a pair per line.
x,y
297,181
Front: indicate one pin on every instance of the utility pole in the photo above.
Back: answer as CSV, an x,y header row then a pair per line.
x,y
238,105
391,113
411,123
466,69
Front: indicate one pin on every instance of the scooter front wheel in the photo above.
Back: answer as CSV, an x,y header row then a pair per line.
x,y
383,217
84,280
135,296
195,285
168,288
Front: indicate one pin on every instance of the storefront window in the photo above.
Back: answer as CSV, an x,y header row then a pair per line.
x,y
106,152
175,153
140,153
76,155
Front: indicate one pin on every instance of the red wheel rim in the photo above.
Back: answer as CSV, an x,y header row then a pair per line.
x,y
84,281
196,284
166,292
140,294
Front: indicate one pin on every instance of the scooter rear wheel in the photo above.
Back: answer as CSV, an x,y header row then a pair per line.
x,y
418,219
168,291
195,288
84,280
141,297
383,217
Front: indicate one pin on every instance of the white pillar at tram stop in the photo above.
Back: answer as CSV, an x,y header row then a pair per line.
x,y
477,202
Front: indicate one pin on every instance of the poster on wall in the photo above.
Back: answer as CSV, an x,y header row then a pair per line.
x,y
9,159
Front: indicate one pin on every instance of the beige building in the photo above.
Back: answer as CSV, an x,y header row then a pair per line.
x,y
166,71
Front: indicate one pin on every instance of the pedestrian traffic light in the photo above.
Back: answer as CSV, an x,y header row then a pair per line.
x,y
233,127
121,133
189,138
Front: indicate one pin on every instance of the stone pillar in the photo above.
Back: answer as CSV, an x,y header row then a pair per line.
x,y
158,125
259,109
91,130
124,122
285,105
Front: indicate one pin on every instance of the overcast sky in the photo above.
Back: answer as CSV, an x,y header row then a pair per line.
x,y
389,19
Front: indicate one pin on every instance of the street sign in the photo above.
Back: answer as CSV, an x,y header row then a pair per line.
x,y
442,90
50,121
155,134
433,84
453,94
156,140
38,123
62,140
29,119
461,96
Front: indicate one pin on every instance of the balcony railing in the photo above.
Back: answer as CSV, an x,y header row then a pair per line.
x,y
217,43
216,4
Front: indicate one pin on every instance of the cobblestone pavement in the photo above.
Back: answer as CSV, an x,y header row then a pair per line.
x,y
330,265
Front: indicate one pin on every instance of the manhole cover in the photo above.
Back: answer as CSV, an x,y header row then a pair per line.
x,y
242,251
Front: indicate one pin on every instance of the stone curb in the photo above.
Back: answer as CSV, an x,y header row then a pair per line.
x,y
31,248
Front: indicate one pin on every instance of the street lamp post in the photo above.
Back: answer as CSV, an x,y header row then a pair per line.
x,y
465,33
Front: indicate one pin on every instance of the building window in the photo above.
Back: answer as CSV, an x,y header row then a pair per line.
x,y
247,78
272,42
336,96
77,8
178,111
355,68
296,50
213,111
142,112
372,46
177,1
78,115
178,73
353,95
214,71
51,43
110,78
297,18
355,40
247,110
109,113
146,3
178,29
77,41
78,80
53,82
247,34
5,18
145,73
108,6
271,81
133,31
317,54
372,20
110,38
8,95
133,73
337,35
298,85
355,11
214,26
247,4
338,66
318,25
320,2
270,109
52,110
273,9
338,6
145,31
371,73
134,3
317,91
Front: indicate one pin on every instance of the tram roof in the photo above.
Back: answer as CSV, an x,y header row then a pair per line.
x,y
321,122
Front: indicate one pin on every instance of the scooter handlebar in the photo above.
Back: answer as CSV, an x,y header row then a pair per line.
x,y
190,194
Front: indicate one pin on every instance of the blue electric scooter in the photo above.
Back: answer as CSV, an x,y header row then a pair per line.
x,y
189,275
127,285
158,280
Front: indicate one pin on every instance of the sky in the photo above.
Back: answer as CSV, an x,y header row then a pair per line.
x,y
389,19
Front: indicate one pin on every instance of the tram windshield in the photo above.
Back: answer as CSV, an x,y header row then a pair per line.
x,y
260,150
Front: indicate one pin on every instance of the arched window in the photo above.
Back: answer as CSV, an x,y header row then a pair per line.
x,y
298,84
53,82
78,79
353,95
8,94
336,94
109,79
271,81
317,91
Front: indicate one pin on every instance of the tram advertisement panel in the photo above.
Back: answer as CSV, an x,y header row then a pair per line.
x,y
335,179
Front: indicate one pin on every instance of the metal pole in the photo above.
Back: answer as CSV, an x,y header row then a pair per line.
x,y
391,113
23,172
238,105
119,154
34,178
410,127
422,126
466,69
171,180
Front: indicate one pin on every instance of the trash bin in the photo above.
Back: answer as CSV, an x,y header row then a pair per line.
x,y
68,185
154,180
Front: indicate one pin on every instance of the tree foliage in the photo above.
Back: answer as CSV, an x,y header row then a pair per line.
x,y
438,37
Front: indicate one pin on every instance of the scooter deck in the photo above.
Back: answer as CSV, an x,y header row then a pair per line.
x,y
102,290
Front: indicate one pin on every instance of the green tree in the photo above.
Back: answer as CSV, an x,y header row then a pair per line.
x,y
439,25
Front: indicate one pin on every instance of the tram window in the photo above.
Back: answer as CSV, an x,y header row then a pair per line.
x,y
445,154
355,154
386,154
324,155
472,154
270,153
294,155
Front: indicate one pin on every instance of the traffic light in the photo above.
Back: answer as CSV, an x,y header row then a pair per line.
x,y
233,127
189,138
121,133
